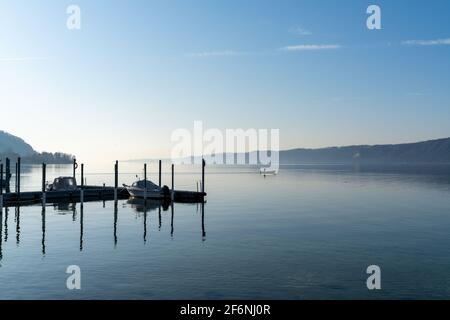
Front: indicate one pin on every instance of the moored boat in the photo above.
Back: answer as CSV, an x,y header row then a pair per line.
x,y
146,189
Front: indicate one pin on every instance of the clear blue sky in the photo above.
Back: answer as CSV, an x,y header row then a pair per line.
x,y
137,70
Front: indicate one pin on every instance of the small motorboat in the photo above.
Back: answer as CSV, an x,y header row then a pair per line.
x,y
63,184
146,189
268,172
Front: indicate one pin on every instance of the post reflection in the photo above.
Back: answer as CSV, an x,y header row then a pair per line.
x,y
81,226
143,209
203,221
115,223
17,218
145,225
171,221
43,217
6,224
1,233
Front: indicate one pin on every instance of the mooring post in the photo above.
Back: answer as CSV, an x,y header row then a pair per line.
x,y
116,180
173,182
18,176
8,174
203,175
1,178
160,173
44,178
82,175
1,191
145,181
81,198
74,167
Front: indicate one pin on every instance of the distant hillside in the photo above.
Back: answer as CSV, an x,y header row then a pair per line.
x,y
433,151
13,144
13,147
427,152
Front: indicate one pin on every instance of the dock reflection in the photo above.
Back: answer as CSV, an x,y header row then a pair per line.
x,y
142,208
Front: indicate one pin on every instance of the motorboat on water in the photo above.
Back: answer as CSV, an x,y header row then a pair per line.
x,y
63,184
268,172
146,189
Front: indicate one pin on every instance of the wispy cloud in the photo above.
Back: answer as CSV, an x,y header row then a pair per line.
x,y
236,53
436,42
225,53
311,47
299,31
21,59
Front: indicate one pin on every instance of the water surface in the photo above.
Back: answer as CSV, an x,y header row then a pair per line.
x,y
308,233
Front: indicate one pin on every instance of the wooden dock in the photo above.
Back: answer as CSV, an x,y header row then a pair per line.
x,y
86,193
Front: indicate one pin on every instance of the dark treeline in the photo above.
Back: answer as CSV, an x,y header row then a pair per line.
x,y
36,158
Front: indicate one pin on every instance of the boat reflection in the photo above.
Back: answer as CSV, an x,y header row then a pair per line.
x,y
142,208
146,206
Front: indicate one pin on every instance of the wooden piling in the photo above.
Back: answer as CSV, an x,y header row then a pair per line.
x,y
116,175
160,163
44,181
203,175
116,180
18,176
7,174
82,175
81,198
173,182
74,167
145,181
1,179
44,177
1,192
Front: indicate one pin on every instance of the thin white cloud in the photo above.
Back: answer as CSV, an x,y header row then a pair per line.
x,y
234,53
436,42
311,47
226,53
299,31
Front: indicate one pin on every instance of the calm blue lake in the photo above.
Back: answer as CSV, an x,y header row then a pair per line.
x,y
307,233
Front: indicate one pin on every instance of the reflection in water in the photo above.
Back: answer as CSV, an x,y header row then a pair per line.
x,y
159,214
17,225
146,206
203,222
145,226
64,208
115,223
171,222
6,224
43,228
81,226
1,233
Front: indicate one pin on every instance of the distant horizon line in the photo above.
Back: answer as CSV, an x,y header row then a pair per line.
x,y
291,149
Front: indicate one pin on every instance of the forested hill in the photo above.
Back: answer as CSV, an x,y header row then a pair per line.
x,y
13,147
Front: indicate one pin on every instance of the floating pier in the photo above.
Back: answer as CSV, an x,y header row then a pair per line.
x,y
85,193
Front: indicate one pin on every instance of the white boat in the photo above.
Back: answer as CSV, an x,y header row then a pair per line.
x,y
268,172
146,190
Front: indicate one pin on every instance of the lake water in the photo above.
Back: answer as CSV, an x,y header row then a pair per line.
x,y
309,232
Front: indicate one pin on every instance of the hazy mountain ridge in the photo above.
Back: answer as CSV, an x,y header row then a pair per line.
x,y
425,152
432,151
13,147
